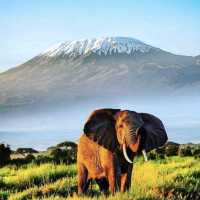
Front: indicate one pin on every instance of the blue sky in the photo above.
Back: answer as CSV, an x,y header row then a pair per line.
x,y
28,27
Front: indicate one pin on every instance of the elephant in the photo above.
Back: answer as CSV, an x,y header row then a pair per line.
x,y
111,139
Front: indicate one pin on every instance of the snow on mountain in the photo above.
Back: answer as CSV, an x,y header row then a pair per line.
x,y
101,46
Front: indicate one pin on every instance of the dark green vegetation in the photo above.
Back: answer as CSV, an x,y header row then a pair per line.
x,y
48,176
4,154
62,153
175,149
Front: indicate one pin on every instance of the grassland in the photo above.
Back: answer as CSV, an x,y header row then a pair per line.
x,y
170,178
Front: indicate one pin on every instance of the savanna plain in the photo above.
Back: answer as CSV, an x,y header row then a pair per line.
x,y
45,177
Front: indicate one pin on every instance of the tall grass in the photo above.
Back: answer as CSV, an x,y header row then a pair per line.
x,y
171,178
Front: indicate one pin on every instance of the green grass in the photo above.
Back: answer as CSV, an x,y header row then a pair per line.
x,y
172,178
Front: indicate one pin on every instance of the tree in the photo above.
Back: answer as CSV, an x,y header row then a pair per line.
x,y
4,154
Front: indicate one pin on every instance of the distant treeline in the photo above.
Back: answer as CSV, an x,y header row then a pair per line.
x,y
175,149
65,152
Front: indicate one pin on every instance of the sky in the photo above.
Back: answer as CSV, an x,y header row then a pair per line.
x,y
27,28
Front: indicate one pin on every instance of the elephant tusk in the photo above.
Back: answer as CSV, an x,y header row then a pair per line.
x,y
125,154
137,131
145,155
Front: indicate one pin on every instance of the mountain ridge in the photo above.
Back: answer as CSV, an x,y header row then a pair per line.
x,y
67,77
100,46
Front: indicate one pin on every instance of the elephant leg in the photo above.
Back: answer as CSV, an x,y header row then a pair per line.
x,y
83,183
123,182
112,179
103,185
113,172
126,179
129,176
87,185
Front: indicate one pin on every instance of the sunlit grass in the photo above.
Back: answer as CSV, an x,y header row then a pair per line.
x,y
157,179
22,178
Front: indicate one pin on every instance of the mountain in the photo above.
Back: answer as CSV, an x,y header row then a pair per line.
x,y
197,60
104,68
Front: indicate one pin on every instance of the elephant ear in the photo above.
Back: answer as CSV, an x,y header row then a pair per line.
x,y
153,134
100,128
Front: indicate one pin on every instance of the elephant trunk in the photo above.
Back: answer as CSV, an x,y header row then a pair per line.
x,y
132,140
134,146
131,136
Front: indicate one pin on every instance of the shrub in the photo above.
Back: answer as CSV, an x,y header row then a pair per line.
x,y
152,155
40,159
26,150
18,162
196,152
63,156
183,187
67,144
4,154
30,157
64,152
58,155
171,150
185,150
157,154
4,195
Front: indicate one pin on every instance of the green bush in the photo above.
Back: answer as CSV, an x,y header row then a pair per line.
x,y
152,155
30,157
183,187
67,156
4,154
26,150
4,195
196,152
57,155
67,144
185,150
157,154
171,150
22,161
41,159
64,152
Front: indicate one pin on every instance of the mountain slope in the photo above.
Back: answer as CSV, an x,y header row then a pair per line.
x,y
197,60
98,68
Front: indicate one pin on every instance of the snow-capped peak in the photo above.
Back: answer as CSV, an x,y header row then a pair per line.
x,y
105,46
